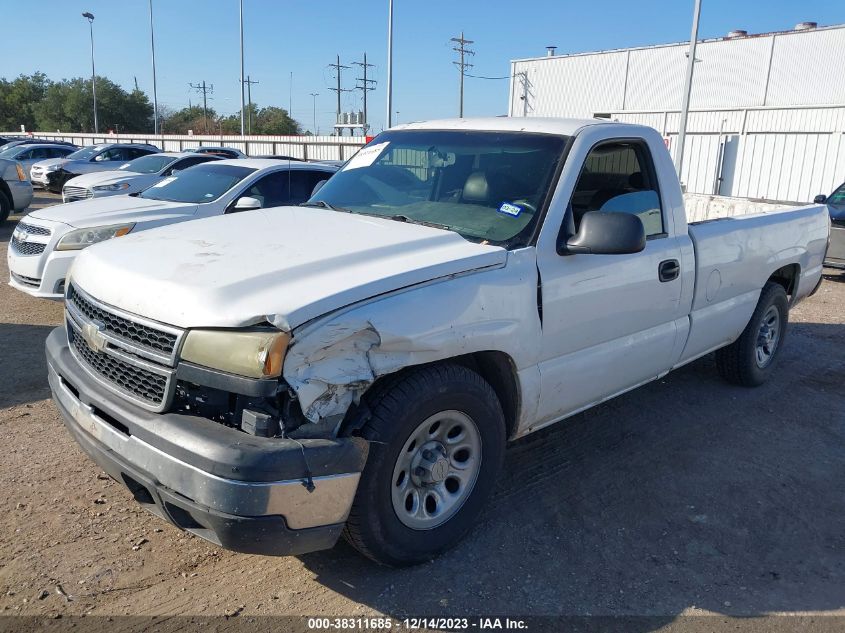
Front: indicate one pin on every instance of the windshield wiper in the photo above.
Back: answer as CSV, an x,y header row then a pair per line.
x,y
404,218
322,204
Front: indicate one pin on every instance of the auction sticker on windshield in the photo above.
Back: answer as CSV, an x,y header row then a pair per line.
x,y
510,209
367,156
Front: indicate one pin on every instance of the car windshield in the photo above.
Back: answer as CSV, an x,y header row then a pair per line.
x,y
203,183
151,164
837,198
84,153
486,186
11,152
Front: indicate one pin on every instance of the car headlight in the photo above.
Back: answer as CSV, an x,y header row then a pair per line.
x,y
255,352
51,167
85,237
118,186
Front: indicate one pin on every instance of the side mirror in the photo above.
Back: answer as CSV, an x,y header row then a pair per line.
x,y
820,199
606,233
247,203
318,186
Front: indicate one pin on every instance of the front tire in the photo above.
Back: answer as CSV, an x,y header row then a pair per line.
x,y
437,440
750,360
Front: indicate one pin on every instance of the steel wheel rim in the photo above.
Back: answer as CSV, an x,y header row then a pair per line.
x,y
768,337
436,470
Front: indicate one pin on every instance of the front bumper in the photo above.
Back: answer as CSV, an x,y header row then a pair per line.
x,y
243,493
41,276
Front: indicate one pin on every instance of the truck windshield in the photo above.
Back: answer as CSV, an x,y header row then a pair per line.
x,y
151,164
203,183
486,186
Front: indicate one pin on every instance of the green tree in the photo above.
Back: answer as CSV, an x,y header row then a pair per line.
x,y
68,105
192,118
19,99
269,120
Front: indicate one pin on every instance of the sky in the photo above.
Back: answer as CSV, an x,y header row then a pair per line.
x,y
198,40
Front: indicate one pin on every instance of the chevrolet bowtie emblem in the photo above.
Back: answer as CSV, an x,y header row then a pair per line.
x,y
93,334
23,236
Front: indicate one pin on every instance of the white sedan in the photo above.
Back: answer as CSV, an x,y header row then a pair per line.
x,y
46,242
131,177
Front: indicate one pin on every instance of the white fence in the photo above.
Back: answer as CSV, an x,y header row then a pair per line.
x,y
304,147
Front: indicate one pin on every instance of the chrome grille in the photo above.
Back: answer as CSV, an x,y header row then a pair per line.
x,y
32,229
33,282
150,387
125,328
71,194
26,248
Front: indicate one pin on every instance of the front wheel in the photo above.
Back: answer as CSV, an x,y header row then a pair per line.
x,y
750,360
437,439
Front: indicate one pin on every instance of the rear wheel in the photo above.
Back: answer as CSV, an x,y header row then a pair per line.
x,y
5,207
437,439
750,360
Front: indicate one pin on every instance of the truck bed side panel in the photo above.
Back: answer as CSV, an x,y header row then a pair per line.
x,y
735,257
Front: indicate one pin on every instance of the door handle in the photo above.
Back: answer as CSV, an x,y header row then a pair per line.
x,y
668,270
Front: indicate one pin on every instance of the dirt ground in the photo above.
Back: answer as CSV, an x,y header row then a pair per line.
x,y
687,496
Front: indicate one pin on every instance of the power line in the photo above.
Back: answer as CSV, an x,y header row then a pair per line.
x,y
206,90
462,65
366,86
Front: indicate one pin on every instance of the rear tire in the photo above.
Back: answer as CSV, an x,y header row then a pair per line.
x,y
5,207
425,481
750,360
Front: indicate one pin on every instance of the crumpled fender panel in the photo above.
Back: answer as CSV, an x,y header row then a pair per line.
x,y
334,360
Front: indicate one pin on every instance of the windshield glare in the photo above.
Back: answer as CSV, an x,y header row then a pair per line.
x,y
151,164
486,186
84,153
200,184
11,152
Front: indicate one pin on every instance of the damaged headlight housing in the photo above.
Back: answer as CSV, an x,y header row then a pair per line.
x,y
254,353
85,237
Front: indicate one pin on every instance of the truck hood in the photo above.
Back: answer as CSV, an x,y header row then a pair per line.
x,y
113,210
284,265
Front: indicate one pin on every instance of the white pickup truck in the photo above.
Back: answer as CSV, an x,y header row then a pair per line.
x,y
270,380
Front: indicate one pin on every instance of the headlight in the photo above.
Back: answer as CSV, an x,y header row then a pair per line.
x,y
85,237
255,353
51,167
118,186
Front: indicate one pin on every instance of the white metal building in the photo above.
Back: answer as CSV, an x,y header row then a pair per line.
x,y
767,112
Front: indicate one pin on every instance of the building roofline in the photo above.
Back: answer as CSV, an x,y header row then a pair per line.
x,y
684,43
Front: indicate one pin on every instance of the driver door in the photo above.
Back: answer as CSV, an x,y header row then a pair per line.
x,y
608,320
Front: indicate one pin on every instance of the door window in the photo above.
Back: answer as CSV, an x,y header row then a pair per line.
x,y
619,177
272,190
302,183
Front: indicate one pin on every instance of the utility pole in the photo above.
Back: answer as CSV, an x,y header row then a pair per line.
x,y
314,96
389,122
249,83
242,67
338,68
523,78
462,65
155,91
366,86
682,128
205,90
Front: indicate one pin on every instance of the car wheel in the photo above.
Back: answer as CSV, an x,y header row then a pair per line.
x,y
5,207
437,439
750,360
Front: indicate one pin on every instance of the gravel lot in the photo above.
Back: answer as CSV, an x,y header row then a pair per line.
x,y
687,496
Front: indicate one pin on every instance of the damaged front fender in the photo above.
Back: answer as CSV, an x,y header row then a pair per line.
x,y
332,362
